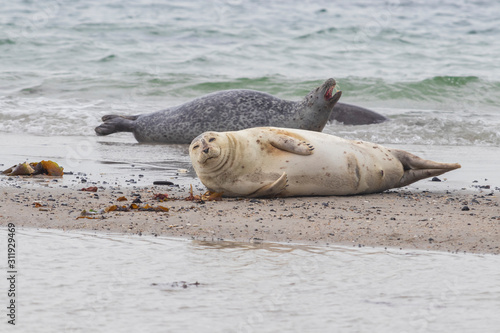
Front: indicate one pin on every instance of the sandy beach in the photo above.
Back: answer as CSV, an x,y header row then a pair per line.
x,y
453,221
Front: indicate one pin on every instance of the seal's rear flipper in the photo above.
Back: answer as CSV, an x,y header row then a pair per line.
x,y
112,116
273,189
114,123
416,168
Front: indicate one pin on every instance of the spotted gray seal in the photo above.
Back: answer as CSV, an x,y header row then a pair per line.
x,y
263,162
228,110
348,114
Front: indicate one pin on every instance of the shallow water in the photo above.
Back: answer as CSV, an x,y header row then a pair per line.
x,y
81,282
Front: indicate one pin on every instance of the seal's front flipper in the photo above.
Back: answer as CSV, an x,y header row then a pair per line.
x,y
291,144
416,168
113,124
273,189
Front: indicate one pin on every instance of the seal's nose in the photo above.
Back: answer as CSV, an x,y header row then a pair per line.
x,y
206,150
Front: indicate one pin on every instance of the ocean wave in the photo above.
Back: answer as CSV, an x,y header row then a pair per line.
x,y
47,117
429,127
456,90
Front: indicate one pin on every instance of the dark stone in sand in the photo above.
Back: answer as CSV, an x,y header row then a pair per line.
x,y
162,182
465,208
435,179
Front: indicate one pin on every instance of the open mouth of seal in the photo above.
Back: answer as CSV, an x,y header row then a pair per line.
x,y
329,95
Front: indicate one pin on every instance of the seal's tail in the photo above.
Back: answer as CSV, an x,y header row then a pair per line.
x,y
416,168
114,123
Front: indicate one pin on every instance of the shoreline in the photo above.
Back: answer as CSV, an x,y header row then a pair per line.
x,y
399,219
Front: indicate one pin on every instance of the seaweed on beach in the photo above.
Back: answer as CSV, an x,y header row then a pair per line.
x,y
133,206
89,189
160,197
47,168
138,205
207,196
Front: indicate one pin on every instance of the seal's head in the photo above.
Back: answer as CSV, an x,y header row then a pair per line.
x,y
208,149
330,93
315,109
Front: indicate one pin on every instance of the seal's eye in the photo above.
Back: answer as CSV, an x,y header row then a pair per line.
x,y
196,147
211,140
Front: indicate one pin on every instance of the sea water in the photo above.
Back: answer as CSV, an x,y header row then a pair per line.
x,y
83,282
430,66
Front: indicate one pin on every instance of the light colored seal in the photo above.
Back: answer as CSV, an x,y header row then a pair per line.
x,y
266,162
228,110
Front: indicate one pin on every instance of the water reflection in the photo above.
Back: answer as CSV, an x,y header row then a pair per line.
x,y
105,282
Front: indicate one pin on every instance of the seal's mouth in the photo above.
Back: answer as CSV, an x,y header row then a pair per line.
x,y
204,159
329,96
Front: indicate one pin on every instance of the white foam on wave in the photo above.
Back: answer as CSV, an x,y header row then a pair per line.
x,y
42,116
426,127
45,116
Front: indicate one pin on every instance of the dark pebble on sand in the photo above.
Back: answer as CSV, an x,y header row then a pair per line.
x,y
465,208
435,179
255,201
162,182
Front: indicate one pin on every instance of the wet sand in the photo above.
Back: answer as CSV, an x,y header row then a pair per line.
x,y
452,221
